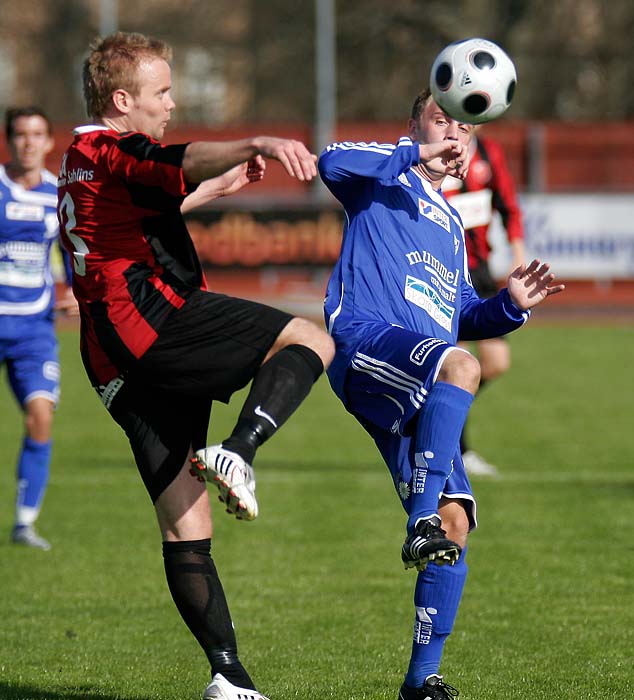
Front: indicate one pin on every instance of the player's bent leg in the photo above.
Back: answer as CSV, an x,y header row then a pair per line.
x,y
293,364
300,331
436,440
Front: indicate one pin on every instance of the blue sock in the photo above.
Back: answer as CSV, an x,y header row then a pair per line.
x,y
436,597
436,440
33,470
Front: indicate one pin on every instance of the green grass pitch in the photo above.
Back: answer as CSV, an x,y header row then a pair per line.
x,y
321,605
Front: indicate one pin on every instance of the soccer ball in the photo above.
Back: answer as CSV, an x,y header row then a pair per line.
x,y
473,80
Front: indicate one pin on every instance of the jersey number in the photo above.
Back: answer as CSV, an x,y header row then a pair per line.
x,y
67,211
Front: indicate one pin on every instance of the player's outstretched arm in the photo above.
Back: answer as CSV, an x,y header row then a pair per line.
x,y
530,285
298,161
229,183
208,159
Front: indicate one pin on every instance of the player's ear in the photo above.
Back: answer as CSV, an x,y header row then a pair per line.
x,y
122,100
411,129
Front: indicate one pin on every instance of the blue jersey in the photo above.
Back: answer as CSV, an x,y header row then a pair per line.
x,y
28,229
403,259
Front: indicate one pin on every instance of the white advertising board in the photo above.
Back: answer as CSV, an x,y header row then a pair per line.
x,y
588,236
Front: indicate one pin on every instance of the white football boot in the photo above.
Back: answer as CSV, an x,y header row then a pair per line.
x,y
27,535
221,689
234,478
476,465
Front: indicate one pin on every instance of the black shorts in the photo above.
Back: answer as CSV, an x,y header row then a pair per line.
x,y
207,350
483,281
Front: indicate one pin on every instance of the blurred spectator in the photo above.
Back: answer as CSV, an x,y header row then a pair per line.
x,y
28,347
488,187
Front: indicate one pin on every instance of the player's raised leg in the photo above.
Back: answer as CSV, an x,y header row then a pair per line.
x,y
436,442
297,358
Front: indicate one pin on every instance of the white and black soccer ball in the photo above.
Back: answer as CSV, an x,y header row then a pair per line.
x,y
473,80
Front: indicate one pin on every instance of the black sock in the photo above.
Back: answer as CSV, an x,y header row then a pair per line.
x,y
196,589
278,388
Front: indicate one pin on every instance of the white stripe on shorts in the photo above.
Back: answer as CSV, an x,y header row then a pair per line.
x,y
392,376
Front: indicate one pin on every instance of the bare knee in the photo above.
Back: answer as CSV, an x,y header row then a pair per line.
x,y
300,331
455,520
461,369
38,420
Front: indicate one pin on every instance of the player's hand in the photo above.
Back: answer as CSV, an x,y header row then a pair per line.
x,y
67,303
528,286
239,176
297,160
228,183
447,157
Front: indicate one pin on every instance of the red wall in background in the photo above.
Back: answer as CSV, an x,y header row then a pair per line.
x,y
565,157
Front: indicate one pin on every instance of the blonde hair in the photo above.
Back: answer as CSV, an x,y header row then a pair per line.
x,y
111,65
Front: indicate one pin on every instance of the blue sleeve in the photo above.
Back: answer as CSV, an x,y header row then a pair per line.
x,y
345,167
488,318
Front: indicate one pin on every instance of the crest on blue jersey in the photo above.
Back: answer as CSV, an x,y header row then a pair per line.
x,y
434,213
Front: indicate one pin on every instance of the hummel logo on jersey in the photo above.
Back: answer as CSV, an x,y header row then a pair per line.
x,y
433,213
107,392
402,178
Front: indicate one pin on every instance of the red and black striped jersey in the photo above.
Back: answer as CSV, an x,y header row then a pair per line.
x,y
488,187
119,197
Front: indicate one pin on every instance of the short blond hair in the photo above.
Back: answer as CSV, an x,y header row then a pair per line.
x,y
111,65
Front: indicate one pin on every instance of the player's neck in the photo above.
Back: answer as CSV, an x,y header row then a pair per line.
x,y
115,123
27,177
434,179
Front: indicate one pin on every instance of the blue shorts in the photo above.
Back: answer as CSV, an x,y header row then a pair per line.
x,y
32,364
386,386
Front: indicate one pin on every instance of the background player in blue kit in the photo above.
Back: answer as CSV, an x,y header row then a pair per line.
x,y
398,300
28,347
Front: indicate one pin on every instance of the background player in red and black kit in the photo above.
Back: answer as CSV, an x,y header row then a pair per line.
x,y
488,187
156,345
